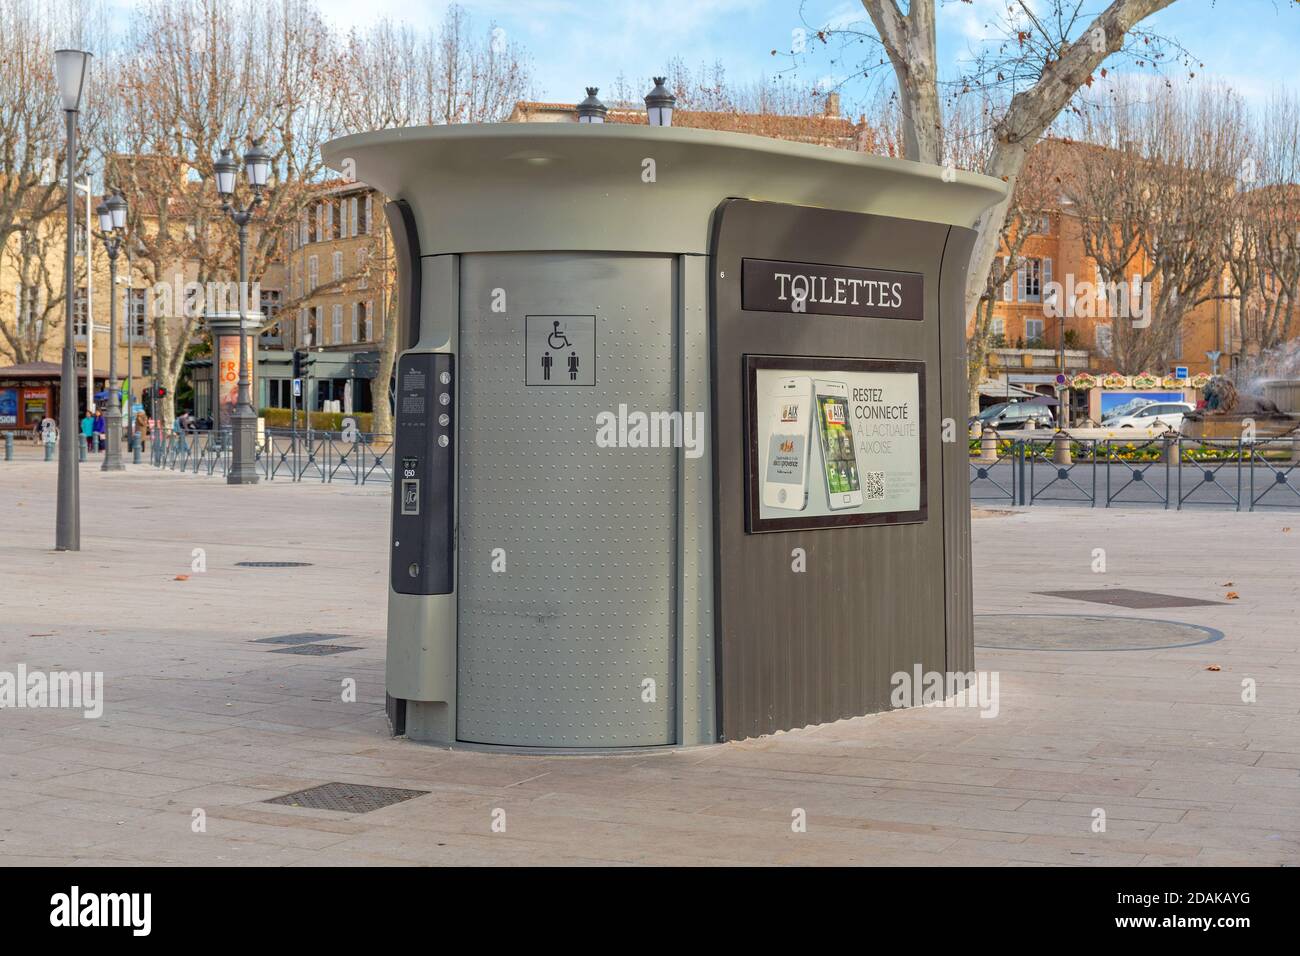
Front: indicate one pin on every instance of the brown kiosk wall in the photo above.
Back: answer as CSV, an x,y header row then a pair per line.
x,y
805,648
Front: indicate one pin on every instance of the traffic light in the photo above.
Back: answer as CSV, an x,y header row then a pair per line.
x,y
299,360
161,392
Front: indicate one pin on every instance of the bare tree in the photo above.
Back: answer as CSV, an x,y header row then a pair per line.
x,y
404,77
1155,191
1265,251
1043,55
205,76
1037,194
35,257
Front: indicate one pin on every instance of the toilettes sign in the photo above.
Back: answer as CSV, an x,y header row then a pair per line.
x,y
770,285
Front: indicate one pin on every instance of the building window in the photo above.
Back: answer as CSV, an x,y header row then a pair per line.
x,y
137,322
343,218
79,359
303,236
313,273
1042,225
365,209
356,321
336,262
368,323
79,312
146,364
363,280
998,327
1029,280
270,304
1034,333
310,327
336,325
320,222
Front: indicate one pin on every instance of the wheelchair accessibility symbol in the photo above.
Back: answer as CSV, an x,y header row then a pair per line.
x,y
560,350
557,339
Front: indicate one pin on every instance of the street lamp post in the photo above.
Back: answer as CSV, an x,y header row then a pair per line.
x,y
132,389
659,104
112,229
70,68
592,110
257,164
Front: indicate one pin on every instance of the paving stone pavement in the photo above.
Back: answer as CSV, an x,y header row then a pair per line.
x,y
200,718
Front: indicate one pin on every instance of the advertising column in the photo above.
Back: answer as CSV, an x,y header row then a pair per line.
x,y
225,363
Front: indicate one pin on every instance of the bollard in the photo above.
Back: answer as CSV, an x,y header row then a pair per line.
x,y
1061,448
989,444
49,451
9,446
81,451
135,449
1171,446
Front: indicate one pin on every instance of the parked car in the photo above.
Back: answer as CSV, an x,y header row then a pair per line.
x,y
1159,415
1006,416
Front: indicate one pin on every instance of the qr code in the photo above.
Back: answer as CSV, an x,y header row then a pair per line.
x,y
873,488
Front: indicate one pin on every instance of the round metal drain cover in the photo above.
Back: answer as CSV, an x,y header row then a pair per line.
x,y
1085,632
273,564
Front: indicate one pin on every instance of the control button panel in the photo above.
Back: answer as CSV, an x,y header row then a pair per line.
x,y
424,503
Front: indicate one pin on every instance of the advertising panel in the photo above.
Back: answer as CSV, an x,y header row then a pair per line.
x,y
834,442
228,375
1126,403
36,405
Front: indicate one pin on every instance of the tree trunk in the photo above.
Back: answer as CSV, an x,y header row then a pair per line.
x,y
382,417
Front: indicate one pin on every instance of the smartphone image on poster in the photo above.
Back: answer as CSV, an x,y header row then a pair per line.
x,y
785,470
839,456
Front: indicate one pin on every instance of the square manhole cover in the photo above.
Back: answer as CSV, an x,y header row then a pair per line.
x,y
346,797
303,638
315,650
1126,597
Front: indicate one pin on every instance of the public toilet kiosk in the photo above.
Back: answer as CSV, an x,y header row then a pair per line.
x,y
669,462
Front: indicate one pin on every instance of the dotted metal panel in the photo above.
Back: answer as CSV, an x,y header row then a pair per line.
x,y
696,668
553,650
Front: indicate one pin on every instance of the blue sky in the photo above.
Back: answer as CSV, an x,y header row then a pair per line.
x,y
1248,43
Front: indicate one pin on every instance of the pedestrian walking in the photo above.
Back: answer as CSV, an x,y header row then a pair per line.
x,y
101,430
88,430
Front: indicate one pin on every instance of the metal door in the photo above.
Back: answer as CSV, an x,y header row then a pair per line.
x,y
566,548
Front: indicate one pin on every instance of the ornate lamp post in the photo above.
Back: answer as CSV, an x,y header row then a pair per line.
x,y
257,165
112,232
70,69
659,104
592,110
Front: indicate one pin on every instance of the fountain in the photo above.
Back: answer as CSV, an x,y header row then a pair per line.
x,y
1227,410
